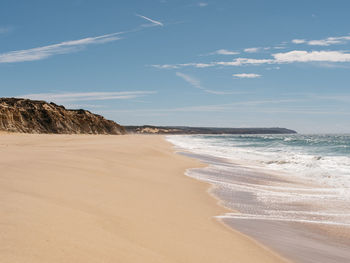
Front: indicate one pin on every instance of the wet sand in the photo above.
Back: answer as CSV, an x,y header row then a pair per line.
x,y
75,198
299,242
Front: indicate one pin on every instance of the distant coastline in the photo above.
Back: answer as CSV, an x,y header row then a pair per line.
x,y
149,129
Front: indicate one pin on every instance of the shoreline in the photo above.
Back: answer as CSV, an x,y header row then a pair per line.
x,y
296,241
81,198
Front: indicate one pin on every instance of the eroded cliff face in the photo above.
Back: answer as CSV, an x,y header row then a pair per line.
x,y
29,116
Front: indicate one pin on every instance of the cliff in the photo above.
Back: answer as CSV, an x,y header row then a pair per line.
x,y
147,129
29,116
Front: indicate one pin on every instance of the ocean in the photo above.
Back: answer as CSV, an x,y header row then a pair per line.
x,y
291,192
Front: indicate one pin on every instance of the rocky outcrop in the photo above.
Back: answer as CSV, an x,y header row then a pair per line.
x,y
29,116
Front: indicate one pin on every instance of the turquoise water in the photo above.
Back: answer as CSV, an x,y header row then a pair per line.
x,y
323,145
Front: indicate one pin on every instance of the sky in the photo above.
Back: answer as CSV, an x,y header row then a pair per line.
x,y
224,63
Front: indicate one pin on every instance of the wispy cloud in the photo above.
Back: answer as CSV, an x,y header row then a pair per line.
x,y
311,56
249,105
197,84
332,97
165,66
293,56
219,92
154,22
323,42
86,96
244,61
246,75
298,41
235,108
5,29
176,66
329,41
252,50
202,4
235,62
44,52
223,52
256,49
273,68
279,47
191,80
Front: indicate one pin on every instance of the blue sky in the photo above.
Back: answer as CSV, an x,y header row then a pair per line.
x,y
199,63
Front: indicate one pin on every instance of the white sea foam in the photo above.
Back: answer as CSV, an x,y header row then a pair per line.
x,y
332,171
312,172
280,218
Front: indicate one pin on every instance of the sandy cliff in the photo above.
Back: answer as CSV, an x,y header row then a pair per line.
x,y
29,116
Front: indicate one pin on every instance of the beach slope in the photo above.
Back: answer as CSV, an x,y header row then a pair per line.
x,y
82,198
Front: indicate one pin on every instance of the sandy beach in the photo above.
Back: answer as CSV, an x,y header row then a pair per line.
x,y
72,198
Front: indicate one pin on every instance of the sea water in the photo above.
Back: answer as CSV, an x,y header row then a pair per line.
x,y
280,184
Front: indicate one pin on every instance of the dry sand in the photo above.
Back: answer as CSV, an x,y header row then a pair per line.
x,y
75,198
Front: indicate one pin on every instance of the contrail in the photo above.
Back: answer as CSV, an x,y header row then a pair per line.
x,y
151,20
